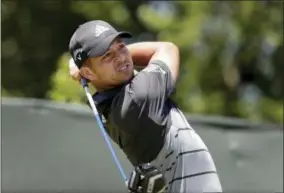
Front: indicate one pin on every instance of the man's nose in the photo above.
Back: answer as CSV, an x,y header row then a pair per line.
x,y
119,57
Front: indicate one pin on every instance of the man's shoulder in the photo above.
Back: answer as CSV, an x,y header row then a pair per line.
x,y
122,103
124,113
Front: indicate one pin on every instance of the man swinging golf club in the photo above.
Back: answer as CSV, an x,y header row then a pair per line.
x,y
137,112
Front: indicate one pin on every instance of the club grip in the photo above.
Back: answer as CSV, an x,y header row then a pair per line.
x,y
84,82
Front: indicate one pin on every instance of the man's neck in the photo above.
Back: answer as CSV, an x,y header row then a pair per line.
x,y
102,88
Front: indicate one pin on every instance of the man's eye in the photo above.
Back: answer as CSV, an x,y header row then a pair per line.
x,y
121,45
107,55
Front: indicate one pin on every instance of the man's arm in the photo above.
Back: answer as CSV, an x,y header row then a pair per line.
x,y
145,52
149,90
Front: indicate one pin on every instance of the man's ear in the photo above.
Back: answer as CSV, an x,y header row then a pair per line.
x,y
87,73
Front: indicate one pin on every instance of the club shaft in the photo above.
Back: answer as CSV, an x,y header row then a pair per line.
x,y
104,133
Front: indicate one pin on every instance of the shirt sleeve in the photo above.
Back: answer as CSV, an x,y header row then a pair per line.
x,y
152,86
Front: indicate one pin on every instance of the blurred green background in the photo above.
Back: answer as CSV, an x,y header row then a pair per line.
x,y
231,52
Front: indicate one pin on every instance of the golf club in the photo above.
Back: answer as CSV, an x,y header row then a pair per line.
x,y
105,135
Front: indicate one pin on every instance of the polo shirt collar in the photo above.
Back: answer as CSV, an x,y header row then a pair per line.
x,y
101,97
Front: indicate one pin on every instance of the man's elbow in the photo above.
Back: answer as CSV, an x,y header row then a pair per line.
x,y
169,54
169,46
172,51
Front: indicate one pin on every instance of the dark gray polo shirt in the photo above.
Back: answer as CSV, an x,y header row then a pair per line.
x,y
136,115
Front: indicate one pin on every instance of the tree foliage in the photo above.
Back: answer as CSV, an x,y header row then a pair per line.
x,y
231,51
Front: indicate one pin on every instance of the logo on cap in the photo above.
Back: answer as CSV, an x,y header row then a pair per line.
x,y
77,54
100,29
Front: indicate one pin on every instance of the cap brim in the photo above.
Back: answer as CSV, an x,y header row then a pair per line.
x,y
104,45
124,34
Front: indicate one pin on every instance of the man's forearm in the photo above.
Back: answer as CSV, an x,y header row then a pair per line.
x,y
167,52
142,52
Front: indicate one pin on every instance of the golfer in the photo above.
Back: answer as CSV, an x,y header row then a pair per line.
x,y
136,109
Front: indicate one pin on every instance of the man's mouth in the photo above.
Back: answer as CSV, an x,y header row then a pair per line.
x,y
123,67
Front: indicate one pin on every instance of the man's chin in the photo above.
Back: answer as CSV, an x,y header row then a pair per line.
x,y
122,82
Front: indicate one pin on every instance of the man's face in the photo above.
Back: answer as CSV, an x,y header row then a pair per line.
x,y
114,68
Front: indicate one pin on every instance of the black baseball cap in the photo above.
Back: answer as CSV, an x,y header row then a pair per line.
x,y
93,39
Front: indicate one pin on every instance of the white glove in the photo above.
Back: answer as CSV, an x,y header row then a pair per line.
x,y
73,70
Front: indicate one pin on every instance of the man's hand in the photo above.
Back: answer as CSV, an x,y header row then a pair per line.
x,y
74,71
